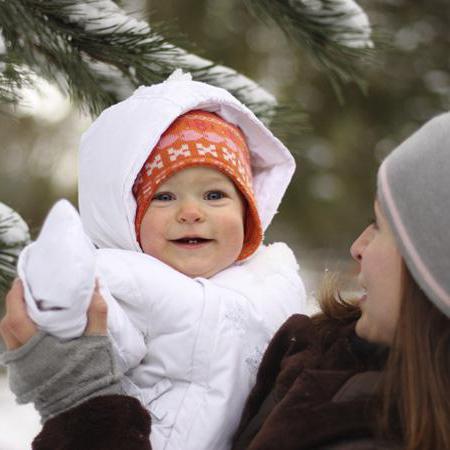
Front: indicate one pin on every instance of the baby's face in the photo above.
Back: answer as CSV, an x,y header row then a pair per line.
x,y
195,222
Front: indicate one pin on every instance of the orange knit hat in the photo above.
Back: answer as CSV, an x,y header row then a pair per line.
x,y
200,138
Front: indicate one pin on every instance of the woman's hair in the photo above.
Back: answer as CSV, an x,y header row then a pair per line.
x,y
416,382
338,313
334,309
414,401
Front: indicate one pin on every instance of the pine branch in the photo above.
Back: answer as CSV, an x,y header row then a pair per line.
x,y
12,76
97,54
14,235
70,42
336,33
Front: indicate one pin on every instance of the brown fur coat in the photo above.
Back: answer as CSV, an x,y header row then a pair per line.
x,y
110,422
314,390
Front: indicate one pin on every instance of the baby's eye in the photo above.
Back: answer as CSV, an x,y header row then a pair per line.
x,y
214,195
163,196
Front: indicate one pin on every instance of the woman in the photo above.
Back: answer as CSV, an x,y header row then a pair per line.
x,y
372,376
317,386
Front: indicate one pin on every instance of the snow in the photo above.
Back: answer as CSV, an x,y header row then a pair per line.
x,y
350,17
229,78
103,15
233,80
18,423
116,82
42,100
179,75
19,233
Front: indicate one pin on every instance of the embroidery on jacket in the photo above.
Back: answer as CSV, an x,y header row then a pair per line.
x,y
235,316
253,360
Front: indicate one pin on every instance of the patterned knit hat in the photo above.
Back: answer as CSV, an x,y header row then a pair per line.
x,y
413,190
200,138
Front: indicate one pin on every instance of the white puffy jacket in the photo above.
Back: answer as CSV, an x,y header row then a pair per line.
x,y
202,338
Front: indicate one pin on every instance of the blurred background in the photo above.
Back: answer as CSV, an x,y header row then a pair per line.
x,y
330,198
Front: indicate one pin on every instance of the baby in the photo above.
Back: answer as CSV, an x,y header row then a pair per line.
x,y
176,185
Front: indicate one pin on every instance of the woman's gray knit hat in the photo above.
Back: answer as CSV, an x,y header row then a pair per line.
x,y
414,193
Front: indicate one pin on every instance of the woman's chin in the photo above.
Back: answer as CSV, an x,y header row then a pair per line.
x,y
374,334
362,329
359,328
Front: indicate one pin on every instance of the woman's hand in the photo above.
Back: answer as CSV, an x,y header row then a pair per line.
x,y
56,375
16,327
75,385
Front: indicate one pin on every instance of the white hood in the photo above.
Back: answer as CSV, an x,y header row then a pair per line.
x,y
115,147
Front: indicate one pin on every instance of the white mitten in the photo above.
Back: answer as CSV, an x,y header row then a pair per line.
x,y
58,273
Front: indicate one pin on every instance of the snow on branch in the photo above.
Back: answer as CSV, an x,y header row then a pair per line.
x,y
12,77
98,54
351,26
14,235
335,33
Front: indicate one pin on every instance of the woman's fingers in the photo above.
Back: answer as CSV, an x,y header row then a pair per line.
x,y
97,315
16,327
10,341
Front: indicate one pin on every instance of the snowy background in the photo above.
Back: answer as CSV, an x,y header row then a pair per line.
x,y
18,424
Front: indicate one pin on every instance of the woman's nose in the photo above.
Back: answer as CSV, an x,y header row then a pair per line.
x,y
358,246
190,212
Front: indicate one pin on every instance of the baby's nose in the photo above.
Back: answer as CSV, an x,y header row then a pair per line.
x,y
190,212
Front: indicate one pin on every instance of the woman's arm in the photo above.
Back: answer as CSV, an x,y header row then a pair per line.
x,y
75,385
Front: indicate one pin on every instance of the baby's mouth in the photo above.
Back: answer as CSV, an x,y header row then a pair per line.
x,y
194,240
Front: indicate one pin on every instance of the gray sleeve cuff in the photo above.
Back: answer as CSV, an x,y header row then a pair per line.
x,y
57,375
13,355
